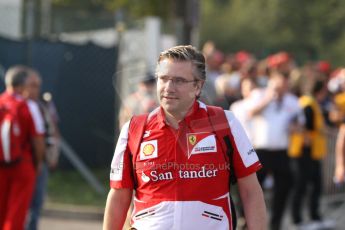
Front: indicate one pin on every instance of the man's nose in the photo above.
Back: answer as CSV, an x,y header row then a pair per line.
x,y
170,84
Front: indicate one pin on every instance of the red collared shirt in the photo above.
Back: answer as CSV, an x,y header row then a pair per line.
x,y
184,171
30,123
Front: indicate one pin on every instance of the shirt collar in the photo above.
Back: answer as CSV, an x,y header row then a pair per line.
x,y
15,95
190,115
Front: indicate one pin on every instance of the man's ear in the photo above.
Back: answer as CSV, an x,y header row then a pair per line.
x,y
199,85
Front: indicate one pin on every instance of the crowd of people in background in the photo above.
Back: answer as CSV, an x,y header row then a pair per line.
x,y
287,111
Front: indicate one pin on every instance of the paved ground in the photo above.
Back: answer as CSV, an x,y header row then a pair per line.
x,y
53,223
57,217
332,208
70,217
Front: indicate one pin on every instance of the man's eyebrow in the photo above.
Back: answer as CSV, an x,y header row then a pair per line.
x,y
174,76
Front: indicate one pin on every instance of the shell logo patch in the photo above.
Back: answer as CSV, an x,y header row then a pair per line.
x,y
148,150
199,143
192,139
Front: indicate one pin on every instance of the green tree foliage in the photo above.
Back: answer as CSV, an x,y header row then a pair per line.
x,y
136,8
81,4
144,7
308,29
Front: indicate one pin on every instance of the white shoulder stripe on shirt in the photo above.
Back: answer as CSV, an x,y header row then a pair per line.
x,y
36,116
118,158
244,147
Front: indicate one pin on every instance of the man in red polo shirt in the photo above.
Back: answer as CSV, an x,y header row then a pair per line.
x,y
17,176
180,173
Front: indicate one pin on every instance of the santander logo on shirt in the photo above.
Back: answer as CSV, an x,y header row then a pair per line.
x,y
202,172
197,143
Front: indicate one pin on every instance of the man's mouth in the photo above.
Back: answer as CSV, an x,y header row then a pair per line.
x,y
169,97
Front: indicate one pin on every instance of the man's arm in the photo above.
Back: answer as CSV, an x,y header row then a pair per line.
x,y
253,202
39,148
339,174
118,202
262,100
34,120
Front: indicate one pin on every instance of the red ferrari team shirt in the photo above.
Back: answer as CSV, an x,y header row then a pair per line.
x,y
180,176
31,123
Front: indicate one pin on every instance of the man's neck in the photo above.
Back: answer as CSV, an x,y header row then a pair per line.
x,y
174,119
16,91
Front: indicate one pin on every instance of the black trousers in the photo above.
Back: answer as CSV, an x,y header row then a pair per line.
x,y
308,174
277,163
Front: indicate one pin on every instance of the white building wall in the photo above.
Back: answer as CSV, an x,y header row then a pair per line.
x,y
11,18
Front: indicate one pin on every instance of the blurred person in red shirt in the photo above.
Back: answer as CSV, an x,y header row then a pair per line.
x,y
17,176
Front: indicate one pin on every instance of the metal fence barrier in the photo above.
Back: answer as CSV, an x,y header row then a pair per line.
x,y
329,187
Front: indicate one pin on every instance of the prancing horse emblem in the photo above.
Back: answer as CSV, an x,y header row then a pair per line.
x,y
192,139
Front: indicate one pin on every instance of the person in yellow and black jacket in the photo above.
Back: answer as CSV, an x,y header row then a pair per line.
x,y
308,148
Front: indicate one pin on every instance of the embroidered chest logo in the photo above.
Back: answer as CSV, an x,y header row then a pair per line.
x,y
148,150
192,139
147,133
199,143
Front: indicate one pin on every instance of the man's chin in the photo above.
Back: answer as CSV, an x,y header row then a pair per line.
x,y
169,107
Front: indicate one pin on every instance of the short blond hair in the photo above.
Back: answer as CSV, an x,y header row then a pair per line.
x,y
17,75
187,53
